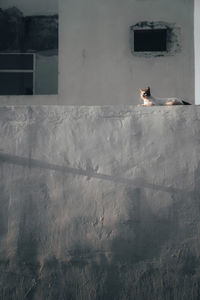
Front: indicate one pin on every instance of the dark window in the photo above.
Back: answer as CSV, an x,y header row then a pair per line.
x,y
16,83
16,61
150,40
16,74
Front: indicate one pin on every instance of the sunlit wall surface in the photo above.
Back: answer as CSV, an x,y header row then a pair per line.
x,y
197,49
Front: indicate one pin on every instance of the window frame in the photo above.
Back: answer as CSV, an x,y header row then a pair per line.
x,y
22,70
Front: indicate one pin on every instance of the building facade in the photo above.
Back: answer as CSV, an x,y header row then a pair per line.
x,y
98,64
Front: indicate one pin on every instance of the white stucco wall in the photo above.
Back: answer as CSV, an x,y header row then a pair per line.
x,y
99,203
197,49
96,64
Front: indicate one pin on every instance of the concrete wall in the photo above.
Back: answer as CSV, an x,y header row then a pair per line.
x,y
99,203
197,49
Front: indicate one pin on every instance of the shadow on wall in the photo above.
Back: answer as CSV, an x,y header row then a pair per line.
x,y
156,252
89,173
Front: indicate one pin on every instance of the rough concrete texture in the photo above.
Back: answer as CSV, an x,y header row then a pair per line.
x,y
99,203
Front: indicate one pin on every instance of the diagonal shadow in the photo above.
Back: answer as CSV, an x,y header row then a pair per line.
x,y
89,173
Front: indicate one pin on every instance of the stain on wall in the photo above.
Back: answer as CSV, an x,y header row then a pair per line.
x,y
26,33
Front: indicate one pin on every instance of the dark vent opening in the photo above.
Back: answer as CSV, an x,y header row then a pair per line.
x,y
150,40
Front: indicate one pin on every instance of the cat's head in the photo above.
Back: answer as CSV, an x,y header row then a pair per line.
x,y
146,93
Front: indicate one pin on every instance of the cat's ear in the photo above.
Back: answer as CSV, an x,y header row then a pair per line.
x,y
140,90
148,88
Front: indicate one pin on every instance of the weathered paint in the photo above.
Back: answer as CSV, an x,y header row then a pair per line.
x,y
99,203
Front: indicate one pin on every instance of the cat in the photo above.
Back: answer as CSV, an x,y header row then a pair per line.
x,y
149,100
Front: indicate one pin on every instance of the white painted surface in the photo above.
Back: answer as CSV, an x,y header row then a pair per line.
x,y
29,100
89,194
197,49
96,64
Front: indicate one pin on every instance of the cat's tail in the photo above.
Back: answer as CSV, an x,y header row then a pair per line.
x,y
186,103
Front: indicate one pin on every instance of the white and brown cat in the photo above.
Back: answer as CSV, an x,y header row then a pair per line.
x,y
149,100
